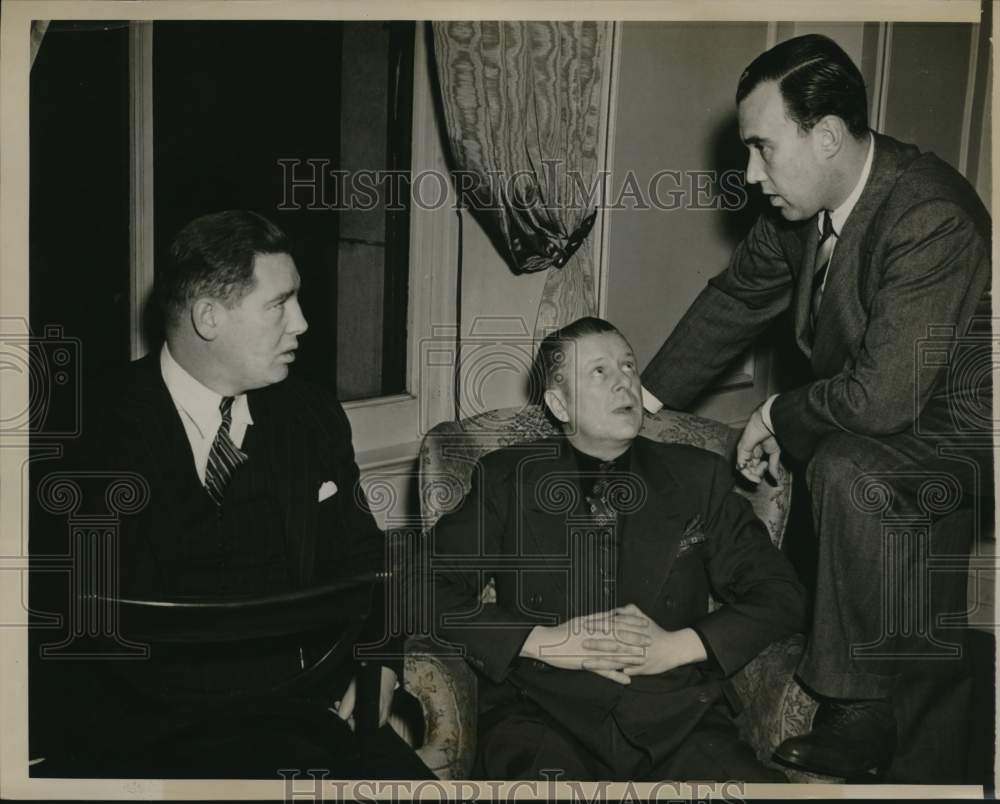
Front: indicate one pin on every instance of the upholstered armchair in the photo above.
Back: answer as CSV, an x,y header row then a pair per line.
x,y
775,706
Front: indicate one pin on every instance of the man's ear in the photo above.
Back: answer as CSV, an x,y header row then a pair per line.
x,y
205,318
556,402
829,133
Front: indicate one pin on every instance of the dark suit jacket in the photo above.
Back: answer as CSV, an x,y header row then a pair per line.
x,y
283,539
915,251
686,533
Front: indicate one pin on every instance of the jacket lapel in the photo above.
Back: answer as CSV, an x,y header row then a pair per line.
x,y
848,257
652,531
276,440
167,454
550,494
803,289
889,160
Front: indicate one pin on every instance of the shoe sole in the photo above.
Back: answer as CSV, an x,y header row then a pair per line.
x,y
832,772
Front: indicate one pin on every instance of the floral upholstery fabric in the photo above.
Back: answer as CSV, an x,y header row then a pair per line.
x,y
775,706
446,689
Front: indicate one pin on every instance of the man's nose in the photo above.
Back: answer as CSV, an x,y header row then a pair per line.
x,y
297,323
755,170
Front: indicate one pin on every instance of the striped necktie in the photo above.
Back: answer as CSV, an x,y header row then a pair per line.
x,y
224,456
824,252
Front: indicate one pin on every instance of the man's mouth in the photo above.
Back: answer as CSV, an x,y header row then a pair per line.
x,y
622,409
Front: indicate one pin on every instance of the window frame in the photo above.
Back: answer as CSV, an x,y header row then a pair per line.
x,y
389,427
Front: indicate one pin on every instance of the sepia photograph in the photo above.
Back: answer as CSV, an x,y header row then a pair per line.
x,y
582,401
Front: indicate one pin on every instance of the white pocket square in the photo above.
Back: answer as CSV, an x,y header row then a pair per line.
x,y
326,490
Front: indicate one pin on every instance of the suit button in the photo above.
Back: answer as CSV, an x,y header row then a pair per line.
x,y
668,602
704,697
535,598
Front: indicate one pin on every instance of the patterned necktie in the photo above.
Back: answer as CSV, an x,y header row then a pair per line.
x,y
605,516
823,254
597,500
224,456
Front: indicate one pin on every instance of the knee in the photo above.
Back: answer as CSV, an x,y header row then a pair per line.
x,y
835,461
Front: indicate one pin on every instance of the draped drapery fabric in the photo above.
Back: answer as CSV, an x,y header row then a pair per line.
x,y
522,103
38,29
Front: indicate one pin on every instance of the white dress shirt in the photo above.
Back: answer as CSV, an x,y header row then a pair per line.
x,y
198,408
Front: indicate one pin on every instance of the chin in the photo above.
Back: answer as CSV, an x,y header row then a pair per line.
x,y
276,375
629,432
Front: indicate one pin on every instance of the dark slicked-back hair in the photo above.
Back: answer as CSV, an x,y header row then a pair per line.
x,y
816,78
214,256
549,369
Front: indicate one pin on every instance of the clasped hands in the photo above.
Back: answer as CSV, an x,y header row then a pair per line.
x,y
615,644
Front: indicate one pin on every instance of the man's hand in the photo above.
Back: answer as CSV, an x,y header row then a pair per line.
x,y
387,686
758,450
603,643
667,649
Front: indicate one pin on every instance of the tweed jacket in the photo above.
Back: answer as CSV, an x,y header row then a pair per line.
x,y
911,264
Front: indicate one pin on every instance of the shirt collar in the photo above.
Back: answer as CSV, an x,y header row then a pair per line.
x,y
590,464
197,401
838,217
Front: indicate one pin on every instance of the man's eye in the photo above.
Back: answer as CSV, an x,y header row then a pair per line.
x,y
629,367
598,370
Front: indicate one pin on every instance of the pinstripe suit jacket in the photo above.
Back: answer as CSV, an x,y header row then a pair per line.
x,y
914,252
273,533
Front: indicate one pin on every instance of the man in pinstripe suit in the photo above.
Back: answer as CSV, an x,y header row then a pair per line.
x,y
253,491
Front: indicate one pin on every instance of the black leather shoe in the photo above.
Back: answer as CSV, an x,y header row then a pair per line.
x,y
848,739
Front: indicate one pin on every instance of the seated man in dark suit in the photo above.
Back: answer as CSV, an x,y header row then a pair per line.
x,y
253,491
600,659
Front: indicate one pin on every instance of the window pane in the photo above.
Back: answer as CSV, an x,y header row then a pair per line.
x,y
79,215
78,285
258,115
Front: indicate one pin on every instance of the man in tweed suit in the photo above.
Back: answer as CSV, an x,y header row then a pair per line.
x,y
870,244
601,659
253,491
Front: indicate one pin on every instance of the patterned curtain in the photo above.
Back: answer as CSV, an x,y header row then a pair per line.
x,y
38,29
521,106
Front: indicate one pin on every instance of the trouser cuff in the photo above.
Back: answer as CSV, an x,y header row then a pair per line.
x,y
847,685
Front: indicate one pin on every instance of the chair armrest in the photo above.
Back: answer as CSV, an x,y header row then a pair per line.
x,y
446,689
775,706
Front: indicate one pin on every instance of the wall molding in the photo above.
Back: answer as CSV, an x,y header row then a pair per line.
x,y
609,113
970,99
880,93
141,245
